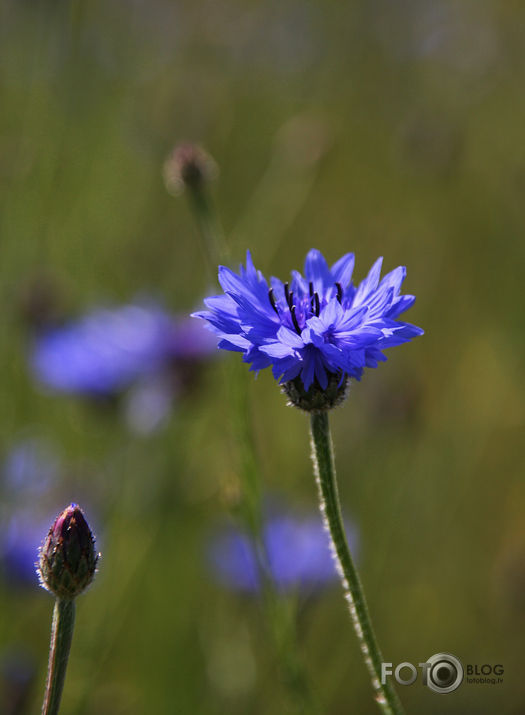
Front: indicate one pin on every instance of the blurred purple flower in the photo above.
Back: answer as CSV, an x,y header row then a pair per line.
x,y
30,488
106,351
297,550
20,539
192,340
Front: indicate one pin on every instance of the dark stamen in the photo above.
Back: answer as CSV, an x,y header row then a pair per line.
x,y
294,320
316,304
312,301
339,292
287,294
271,297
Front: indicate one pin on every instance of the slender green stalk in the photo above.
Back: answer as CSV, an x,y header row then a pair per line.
x,y
323,456
61,637
215,248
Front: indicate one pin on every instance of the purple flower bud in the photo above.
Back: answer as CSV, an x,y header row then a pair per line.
x,y
188,166
68,559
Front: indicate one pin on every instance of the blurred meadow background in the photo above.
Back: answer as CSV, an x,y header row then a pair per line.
x,y
383,128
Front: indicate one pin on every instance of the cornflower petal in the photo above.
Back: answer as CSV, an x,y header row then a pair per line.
x,y
316,270
343,268
370,282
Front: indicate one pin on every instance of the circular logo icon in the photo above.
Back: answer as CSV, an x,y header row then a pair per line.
x,y
444,673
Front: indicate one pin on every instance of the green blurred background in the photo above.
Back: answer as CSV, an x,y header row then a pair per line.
x,y
383,128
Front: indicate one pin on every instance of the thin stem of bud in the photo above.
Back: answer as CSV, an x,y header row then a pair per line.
x,y
61,637
215,248
323,457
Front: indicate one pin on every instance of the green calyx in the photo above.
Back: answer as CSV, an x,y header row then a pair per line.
x,y
315,399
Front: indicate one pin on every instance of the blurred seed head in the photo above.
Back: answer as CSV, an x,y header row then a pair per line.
x,y
68,559
189,166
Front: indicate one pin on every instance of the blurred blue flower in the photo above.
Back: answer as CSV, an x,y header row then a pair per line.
x,y
107,350
28,474
31,492
20,539
297,550
315,326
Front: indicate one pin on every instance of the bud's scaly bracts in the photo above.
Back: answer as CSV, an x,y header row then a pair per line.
x,y
68,559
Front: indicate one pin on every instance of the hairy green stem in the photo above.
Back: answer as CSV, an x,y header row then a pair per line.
x,y
323,456
61,637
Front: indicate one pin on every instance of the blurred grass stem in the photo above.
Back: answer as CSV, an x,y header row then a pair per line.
x,y
61,637
210,230
323,457
281,622
281,616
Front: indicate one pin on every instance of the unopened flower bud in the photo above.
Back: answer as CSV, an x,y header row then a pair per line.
x,y
189,166
68,558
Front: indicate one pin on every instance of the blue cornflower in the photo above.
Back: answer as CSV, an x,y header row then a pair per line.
x,y
296,548
315,327
109,349
20,538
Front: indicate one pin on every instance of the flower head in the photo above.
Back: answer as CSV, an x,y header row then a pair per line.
x,y
317,329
